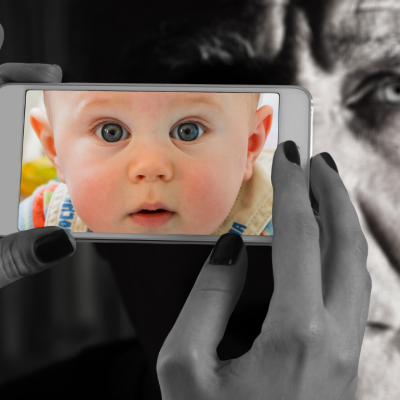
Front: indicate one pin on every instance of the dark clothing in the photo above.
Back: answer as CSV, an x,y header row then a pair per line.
x,y
111,371
154,282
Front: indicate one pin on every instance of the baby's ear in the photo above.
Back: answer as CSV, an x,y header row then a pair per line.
x,y
41,124
39,121
261,127
263,119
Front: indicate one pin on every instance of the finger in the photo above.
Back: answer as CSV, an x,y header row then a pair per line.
x,y
344,251
29,252
35,73
204,317
295,243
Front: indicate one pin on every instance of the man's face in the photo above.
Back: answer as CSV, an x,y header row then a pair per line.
x,y
347,54
154,162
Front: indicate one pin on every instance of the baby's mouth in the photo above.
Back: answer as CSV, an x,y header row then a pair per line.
x,y
151,215
151,211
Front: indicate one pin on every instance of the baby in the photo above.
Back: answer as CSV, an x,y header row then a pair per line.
x,y
153,163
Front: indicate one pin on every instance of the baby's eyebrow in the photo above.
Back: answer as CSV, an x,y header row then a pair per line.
x,y
96,102
206,100
196,99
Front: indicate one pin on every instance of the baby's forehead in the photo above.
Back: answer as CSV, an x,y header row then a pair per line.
x,y
224,102
171,96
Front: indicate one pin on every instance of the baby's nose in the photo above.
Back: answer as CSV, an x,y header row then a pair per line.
x,y
150,164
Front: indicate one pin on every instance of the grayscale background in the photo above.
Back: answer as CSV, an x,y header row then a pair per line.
x,y
345,52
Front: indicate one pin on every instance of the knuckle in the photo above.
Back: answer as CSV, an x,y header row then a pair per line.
x,y
10,260
300,334
14,259
300,225
358,245
346,361
368,282
292,177
309,334
175,363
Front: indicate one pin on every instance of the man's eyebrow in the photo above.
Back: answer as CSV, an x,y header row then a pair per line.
x,y
357,41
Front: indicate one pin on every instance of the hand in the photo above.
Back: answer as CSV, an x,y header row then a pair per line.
x,y
26,253
310,341
18,72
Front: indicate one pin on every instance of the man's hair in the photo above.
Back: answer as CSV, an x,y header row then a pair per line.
x,y
178,53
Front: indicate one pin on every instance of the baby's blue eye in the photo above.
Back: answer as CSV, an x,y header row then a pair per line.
x,y
188,131
111,132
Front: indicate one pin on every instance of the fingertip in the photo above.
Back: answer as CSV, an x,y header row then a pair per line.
x,y
57,72
286,155
71,239
227,249
53,245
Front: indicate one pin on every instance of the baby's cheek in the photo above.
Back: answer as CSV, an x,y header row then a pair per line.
x,y
93,201
207,197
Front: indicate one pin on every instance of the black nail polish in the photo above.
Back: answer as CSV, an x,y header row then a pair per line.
x,y
291,152
227,249
53,246
329,160
313,200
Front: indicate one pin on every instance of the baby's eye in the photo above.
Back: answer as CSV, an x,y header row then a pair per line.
x,y
111,132
187,131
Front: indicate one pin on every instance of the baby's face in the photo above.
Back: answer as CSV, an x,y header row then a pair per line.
x,y
156,163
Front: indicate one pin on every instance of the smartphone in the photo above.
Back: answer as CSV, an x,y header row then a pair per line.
x,y
146,163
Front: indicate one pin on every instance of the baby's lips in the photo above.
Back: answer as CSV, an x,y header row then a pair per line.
x,y
152,207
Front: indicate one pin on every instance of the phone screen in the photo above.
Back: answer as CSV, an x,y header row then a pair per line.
x,y
194,163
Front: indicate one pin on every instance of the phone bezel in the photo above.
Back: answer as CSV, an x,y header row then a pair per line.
x,y
295,123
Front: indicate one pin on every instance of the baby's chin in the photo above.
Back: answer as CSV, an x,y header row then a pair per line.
x,y
156,223
151,230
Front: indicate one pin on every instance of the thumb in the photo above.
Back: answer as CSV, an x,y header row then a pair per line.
x,y
204,317
29,252
30,73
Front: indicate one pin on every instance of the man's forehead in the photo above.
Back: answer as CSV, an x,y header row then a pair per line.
x,y
365,5
357,31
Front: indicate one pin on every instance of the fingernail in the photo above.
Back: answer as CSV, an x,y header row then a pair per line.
x,y
53,246
55,65
313,200
291,152
227,249
329,160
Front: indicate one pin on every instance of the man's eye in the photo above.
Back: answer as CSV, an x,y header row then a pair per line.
x,y
378,91
187,132
111,132
389,92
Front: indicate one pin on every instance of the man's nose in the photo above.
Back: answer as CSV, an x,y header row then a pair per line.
x,y
150,162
